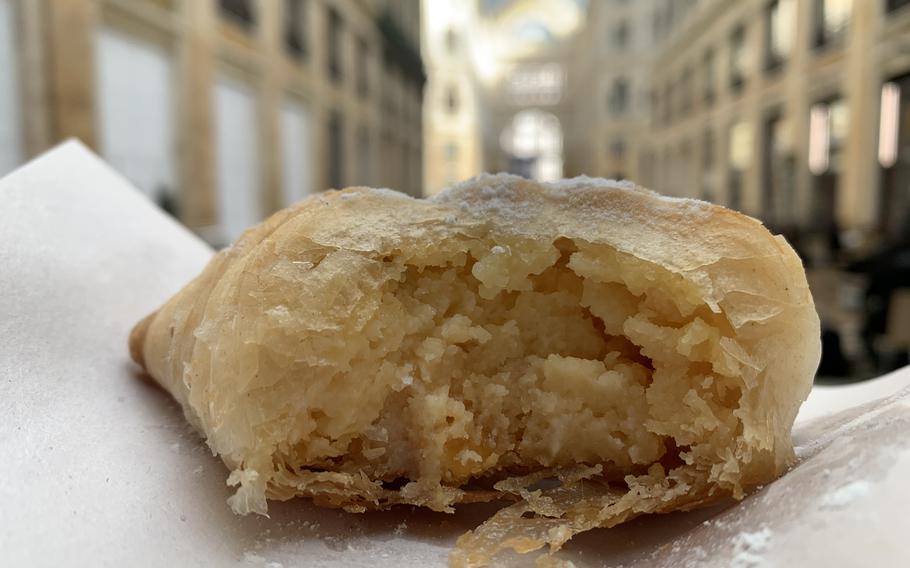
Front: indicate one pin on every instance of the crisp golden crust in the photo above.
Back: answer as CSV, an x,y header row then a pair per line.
x,y
365,349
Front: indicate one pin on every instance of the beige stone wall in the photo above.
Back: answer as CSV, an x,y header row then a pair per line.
x,y
599,62
453,149
854,69
58,82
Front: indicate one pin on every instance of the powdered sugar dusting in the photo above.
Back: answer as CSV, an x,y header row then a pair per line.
x,y
845,495
748,548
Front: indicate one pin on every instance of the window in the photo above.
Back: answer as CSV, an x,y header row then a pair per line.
x,y
333,46
236,156
536,84
295,27
654,98
707,150
617,148
685,84
135,89
451,101
828,126
533,140
894,156
739,159
685,168
336,151
621,35
779,20
829,122
619,97
363,79
709,77
738,58
777,167
832,17
670,16
239,11
296,151
707,165
657,25
363,155
889,124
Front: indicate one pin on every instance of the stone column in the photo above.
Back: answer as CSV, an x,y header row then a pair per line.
x,y
270,100
797,114
857,196
71,57
199,207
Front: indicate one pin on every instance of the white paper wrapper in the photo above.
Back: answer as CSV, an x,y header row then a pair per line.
x,y
99,468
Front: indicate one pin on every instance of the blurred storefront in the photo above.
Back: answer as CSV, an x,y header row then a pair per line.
x,y
220,110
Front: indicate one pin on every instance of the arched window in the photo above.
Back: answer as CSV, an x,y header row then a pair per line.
x,y
533,141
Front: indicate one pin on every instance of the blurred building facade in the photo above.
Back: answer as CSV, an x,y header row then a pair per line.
x,y
794,111
221,110
499,95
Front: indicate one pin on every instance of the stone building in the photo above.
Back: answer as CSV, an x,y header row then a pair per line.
x,y
221,110
795,111
499,92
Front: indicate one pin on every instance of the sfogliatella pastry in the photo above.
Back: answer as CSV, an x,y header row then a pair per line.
x,y
587,349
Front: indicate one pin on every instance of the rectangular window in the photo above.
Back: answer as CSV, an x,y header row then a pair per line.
x,y
739,159
707,151
619,97
296,152
657,26
617,148
707,166
336,151
655,106
738,58
621,35
236,157
710,79
239,11
894,156
685,85
364,159
295,28
777,167
333,45
134,86
828,125
363,77
779,26
832,18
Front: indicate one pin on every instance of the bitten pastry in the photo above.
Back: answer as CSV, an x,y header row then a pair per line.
x,y
588,349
